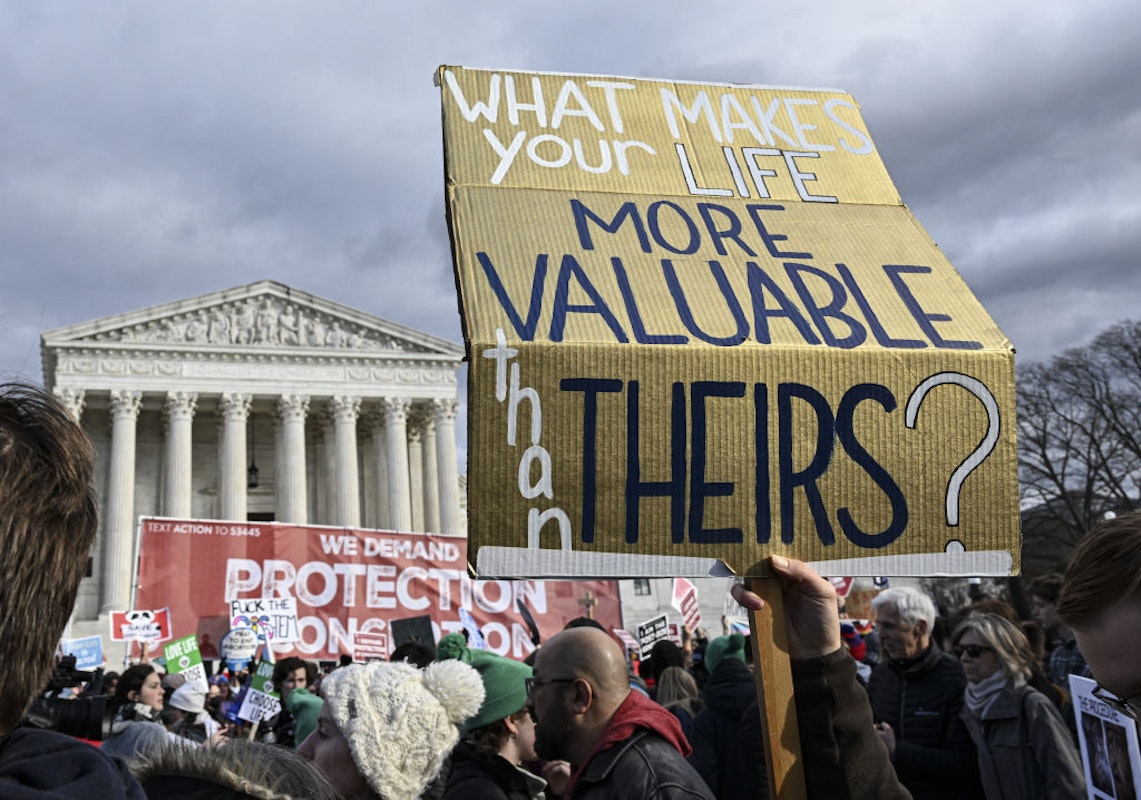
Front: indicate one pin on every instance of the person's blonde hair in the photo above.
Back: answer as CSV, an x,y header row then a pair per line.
x,y
1009,643
676,687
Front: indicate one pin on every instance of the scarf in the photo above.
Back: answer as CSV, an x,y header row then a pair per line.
x,y
981,695
134,712
637,711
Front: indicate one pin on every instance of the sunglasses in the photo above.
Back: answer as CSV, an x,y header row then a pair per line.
x,y
973,650
1129,706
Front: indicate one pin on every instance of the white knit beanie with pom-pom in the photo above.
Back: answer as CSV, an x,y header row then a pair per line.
x,y
400,721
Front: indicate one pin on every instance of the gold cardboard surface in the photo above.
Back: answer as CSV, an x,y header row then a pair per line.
x,y
694,354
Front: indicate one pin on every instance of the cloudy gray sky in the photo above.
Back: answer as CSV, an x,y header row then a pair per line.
x,y
156,151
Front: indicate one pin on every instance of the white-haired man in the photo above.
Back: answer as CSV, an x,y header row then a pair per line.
x,y
916,693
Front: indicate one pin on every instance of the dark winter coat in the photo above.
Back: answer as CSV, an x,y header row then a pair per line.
x,y
474,776
45,764
922,698
1025,749
718,754
645,766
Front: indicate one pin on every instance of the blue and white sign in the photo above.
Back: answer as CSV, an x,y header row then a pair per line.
x,y
88,651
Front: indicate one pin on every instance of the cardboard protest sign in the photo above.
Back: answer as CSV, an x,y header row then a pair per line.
x,y
88,651
239,645
685,601
1109,745
370,647
183,658
413,629
262,699
702,329
627,640
140,625
338,582
651,631
274,618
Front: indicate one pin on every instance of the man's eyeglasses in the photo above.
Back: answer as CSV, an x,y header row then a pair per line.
x,y
533,683
973,650
1129,706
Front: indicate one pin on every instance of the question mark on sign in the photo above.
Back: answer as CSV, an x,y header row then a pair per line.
x,y
979,390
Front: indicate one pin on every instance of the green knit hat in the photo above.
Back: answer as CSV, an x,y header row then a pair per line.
x,y
305,708
504,681
723,647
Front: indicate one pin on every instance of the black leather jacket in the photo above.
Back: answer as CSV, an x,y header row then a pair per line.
x,y
645,767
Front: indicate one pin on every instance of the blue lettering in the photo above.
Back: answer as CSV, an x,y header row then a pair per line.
x,y
640,334
590,387
628,210
846,433
674,488
895,273
699,487
821,314
562,305
653,214
790,479
686,313
526,330
759,281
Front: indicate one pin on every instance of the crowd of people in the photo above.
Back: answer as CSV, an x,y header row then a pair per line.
x,y
896,711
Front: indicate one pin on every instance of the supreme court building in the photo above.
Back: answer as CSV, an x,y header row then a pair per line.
x,y
261,403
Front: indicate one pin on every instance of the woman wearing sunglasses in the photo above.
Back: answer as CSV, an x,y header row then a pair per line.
x,y
1024,747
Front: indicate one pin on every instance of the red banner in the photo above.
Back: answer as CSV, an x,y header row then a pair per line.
x,y
346,582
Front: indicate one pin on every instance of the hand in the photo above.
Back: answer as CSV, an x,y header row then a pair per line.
x,y
811,617
887,736
557,774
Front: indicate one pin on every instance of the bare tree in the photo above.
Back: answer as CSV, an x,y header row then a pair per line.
x,y
1079,427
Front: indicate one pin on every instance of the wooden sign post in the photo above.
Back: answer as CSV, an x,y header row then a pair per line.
x,y
773,673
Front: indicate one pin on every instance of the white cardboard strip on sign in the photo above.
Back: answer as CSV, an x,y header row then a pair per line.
x,y
507,562
985,563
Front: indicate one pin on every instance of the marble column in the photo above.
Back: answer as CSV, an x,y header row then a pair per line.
x,y
416,472
235,409
431,479
178,470
348,508
72,399
380,471
447,466
292,502
328,473
396,452
119,513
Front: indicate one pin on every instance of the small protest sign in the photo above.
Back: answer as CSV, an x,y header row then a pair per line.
x,y
140,625
274,619
184,658
474,635
412,629
262,700
239,646
627,640
370,647
651,631
842,585
685,603
1108,738
88,651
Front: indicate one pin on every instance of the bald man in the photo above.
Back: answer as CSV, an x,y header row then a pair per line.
x,y
621,744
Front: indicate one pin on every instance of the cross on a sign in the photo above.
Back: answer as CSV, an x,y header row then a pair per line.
x,y
589,602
